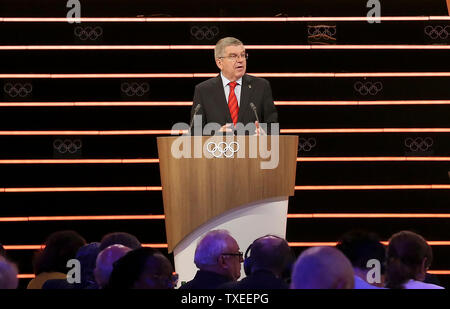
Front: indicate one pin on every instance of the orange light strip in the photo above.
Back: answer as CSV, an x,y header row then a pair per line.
x,y
222,19
210,47
332,244
39,247
112,132
80,189
160,246
80,161
209,75
374,130
23,247
155,161
363,103
159,188
81,218
367,215
96,104
26,276
286,131
370,159
439,272
189,103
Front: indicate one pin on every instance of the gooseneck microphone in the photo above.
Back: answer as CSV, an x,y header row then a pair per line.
x,y
257,118
197,108
254,110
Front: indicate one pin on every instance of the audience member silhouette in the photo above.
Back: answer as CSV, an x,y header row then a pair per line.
x,y
408,258
120,238
361,247
51,262
267,260
8,274
87,256
142,268
322,268
218,259
105,261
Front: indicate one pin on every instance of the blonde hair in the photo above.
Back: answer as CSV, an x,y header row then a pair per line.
x,y
219,50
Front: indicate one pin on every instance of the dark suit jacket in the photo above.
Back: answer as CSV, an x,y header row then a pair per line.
x,y
205,280
214,107
258,280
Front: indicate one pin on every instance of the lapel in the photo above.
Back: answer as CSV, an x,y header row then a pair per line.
x,y
222,100
246,91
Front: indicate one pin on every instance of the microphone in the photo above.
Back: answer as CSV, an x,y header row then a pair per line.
x,y
197,108
254,110
256,115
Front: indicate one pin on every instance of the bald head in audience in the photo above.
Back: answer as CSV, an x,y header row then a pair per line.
x,y
105,261
322,268
8,274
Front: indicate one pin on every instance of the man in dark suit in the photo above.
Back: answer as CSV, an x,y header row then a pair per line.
x,y
218,259
268,266
233,96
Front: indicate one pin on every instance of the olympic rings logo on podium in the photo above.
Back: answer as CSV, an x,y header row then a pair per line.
x,y
222,149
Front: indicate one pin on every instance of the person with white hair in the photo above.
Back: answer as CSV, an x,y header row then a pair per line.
x,y
218,259
233,96
322,268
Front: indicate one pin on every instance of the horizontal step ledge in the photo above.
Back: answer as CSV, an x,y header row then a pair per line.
x,y
222,19
189,103
156,161
159,188
209,75
289,216
211,47
179,132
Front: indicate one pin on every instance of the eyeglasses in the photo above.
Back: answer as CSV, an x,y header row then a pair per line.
x,y
234,57
239,254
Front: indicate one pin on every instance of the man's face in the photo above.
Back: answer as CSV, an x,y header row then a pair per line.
x,y
232,260
233,63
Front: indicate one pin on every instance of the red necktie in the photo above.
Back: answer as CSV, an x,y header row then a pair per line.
x,y
233,103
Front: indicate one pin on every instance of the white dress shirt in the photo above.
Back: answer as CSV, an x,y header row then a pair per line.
x,y
237,89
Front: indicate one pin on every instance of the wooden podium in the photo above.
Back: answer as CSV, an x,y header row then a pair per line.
x,y
224,189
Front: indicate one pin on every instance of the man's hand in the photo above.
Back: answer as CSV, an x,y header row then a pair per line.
x,y
259,131
226,128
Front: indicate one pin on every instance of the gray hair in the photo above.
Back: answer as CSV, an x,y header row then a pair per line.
x,y
210,247
219,51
